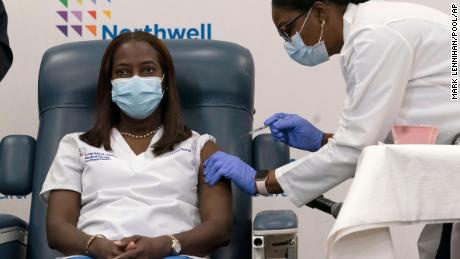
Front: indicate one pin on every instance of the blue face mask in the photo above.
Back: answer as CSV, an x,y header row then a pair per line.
x,y
307,55
138,97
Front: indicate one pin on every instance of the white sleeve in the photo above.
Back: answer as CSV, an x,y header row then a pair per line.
x,y
378,72
66,169
199,143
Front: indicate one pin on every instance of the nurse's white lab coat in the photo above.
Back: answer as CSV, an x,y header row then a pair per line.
x,y
396,64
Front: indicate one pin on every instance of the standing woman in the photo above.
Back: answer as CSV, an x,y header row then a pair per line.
x,y
395,61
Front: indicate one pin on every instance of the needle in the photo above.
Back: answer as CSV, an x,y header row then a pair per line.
x,y
254,131
261,128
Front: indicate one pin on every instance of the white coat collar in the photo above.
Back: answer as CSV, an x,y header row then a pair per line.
x,y
349,19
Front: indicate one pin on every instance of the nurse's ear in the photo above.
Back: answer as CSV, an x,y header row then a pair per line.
x,y
320,11
331,14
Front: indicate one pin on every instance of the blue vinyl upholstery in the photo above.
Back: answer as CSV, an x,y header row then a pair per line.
x,y
7,221
12,247
269,154
275,220
17,154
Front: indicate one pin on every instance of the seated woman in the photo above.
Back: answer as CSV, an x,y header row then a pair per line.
x,y
133,185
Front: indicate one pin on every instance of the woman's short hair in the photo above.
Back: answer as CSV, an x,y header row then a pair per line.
x,y
108,113
302,5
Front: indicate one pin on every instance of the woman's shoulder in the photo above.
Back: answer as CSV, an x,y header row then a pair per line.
x,y
197,141
72,135
201,137
71,139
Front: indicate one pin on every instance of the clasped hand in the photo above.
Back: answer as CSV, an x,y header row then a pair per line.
x,y
134,247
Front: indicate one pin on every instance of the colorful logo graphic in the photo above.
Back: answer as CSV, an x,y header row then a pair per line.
x,y
81,18
93,19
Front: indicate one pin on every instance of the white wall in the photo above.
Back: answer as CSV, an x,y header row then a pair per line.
x,y
281,85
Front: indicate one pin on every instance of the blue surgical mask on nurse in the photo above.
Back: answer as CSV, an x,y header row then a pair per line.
x,y
304,54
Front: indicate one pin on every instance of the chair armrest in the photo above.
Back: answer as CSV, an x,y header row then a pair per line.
x,y
12,229
325,205
13,237
17,154
7,221
273,222
269,154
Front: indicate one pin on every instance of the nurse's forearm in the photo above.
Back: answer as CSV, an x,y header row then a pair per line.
x,y
326,137
273,187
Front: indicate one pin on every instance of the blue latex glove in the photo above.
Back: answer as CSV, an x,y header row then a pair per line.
x,y
295,131
231,167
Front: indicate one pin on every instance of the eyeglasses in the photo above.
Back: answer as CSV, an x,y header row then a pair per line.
x,y
283,31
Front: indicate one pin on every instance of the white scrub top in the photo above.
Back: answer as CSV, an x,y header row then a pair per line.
x,y
396,64
124,194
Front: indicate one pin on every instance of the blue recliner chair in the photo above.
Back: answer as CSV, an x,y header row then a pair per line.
x,y
216,85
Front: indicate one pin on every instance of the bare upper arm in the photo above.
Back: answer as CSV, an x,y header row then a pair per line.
x,y
215,202
63,206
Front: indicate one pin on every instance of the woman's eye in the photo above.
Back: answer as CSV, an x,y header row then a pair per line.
x,y
149,70
122,72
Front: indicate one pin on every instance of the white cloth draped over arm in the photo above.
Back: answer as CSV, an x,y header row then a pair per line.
x,y
377,65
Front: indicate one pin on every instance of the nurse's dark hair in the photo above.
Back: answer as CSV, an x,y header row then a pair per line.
x,y
108,113
303,5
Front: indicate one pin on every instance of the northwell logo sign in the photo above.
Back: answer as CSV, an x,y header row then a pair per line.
x,y
93,18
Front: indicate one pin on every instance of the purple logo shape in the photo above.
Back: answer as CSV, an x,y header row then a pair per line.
x,y
78,14
64,15
63,29
78,29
